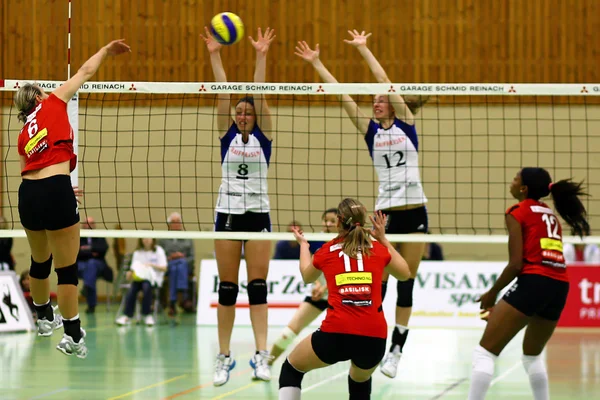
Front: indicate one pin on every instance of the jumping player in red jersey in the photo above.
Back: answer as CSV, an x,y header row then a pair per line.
x,y
354,328
47,202
538,297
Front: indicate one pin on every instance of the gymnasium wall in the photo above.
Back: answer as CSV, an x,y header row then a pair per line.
x,y
425,41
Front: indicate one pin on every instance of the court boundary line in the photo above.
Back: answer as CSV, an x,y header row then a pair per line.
x,y
41,396
449,388
505,374
148,387
324,381
240,389
207,384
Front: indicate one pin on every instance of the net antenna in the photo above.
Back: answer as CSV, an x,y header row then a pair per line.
x,y
73,106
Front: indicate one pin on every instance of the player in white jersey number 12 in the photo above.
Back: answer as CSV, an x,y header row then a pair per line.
x,y
243,206
392,142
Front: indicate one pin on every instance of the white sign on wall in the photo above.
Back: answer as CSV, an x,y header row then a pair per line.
x,y
444,296
14,311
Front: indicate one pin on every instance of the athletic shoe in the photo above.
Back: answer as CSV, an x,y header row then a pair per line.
x,y
223,365
389,364
68,346
260,364
123,320
149,320
47,328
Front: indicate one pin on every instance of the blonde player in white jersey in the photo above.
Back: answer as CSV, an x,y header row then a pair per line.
x,y
392,141
243,206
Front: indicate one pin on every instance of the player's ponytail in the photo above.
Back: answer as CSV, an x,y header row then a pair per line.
x,y
25,100
353,215
565,193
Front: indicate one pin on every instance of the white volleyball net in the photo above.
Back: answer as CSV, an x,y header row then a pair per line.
x,y
149,149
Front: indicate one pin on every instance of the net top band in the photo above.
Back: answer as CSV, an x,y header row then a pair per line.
x,y
454,89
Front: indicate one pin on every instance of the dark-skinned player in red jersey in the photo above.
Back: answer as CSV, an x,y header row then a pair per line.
x,y
539,295
355,328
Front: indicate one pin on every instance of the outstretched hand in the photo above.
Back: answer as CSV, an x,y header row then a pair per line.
x,y
211,44
358,39
299,235
117,47
379,221
306,53
262,43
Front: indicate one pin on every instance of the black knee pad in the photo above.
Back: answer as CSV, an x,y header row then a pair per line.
x,y
67,275
383,290
359,390
40,270
228,292
405,293
257,292
290,376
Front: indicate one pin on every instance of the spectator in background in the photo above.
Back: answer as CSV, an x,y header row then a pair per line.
x,y
586,253
433,252
180,257
7,261
288,249
148,268
92,265
119,248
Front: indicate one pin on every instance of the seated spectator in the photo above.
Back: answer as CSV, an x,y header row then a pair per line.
x,y
24,283
180,257
92,265
148,267
586,253
433,252
119,248
7,261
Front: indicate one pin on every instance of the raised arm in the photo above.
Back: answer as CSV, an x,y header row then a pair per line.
x,y
223,100
307,269
359,40
397,267
89,68
264,118
358,118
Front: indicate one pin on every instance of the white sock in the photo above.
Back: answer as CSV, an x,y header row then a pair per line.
x,y
482,373
401,328
39,305
75,318
290,393
538,376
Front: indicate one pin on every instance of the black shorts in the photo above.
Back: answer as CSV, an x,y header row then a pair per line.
x,y
538,295
407,221
365,352
48,203
248,222
320,304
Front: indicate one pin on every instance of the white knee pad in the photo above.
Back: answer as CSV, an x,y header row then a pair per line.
x,y
483,361
286,338
534,365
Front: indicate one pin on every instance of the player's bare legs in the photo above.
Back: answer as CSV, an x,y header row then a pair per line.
x,y
412,253
258,256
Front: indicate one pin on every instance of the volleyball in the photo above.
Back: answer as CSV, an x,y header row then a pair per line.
x,y
227,28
